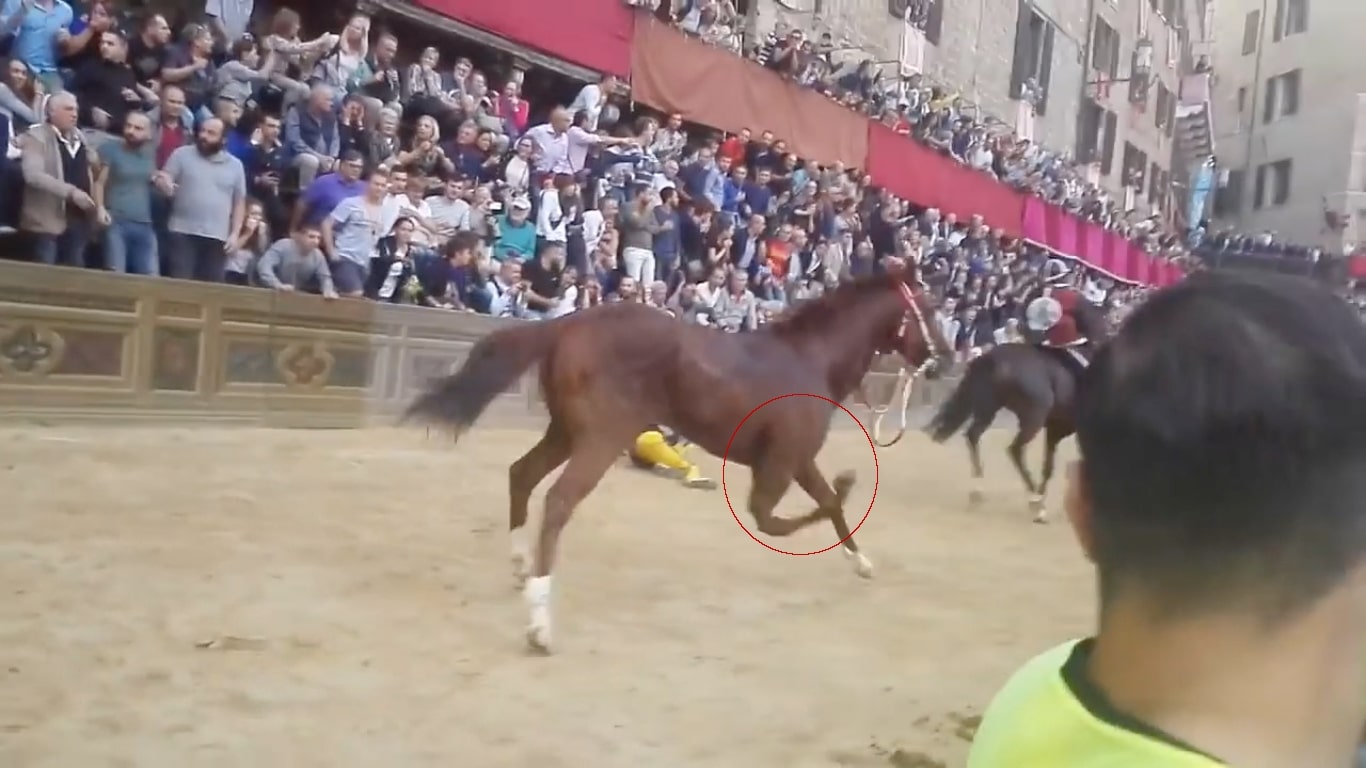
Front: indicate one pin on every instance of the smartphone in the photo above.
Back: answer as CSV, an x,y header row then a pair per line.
x,y
496,207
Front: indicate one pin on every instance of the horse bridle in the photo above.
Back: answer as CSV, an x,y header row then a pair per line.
x,y
905,378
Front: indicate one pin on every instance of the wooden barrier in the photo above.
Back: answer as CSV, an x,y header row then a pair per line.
x,y
82,345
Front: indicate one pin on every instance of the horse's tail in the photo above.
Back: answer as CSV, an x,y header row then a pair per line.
x,y
955,412
493,364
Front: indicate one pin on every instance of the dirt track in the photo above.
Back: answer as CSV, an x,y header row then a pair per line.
x,y
221,597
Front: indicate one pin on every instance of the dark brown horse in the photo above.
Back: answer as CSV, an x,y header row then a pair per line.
x,y
1037,385
610,371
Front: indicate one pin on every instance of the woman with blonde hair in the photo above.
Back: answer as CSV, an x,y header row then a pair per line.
x,y
424,153
341,62
288,60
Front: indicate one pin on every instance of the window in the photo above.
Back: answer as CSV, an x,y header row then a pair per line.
x,y
1228,199
1154,183
1292,18
1135,167
1089,135
1162,112
925,15
1251,32
1033,66
1272,186
1105,49
1282,96
1107,148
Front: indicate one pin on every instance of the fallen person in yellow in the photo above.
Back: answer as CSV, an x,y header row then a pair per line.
x,y
654,449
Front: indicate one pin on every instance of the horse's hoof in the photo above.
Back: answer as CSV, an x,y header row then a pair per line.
x,y
1041,517
862,565
844,481
538,640
976,497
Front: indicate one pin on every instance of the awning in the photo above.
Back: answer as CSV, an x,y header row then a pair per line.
x,y
444,23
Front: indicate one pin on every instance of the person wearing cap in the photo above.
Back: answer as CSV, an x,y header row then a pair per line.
x,y
1053,315
516,230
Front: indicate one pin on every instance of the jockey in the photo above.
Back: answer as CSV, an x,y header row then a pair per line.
x,y
655,449
1054,314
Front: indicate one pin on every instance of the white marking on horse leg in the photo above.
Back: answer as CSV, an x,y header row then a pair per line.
x,y
1036,505
521,555
537,595
862,565
975,494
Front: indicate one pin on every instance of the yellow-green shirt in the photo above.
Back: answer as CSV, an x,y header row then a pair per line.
x,y
1049,716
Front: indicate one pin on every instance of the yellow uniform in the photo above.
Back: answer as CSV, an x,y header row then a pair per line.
x,y
653,449
1049,716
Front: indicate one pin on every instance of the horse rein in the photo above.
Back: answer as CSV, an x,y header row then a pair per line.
x,y
905,378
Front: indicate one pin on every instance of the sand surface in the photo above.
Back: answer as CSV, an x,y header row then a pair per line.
x,y
202,597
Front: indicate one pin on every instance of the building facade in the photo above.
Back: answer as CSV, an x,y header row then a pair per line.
x,y
1291,114
1075,57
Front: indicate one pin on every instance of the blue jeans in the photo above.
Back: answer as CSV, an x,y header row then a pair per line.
x,y
66,249
131,246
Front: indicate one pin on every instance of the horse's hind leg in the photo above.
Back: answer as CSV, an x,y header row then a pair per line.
x,y
523,477
1029,428
830,501
1053,434
589,461
981,421
771,481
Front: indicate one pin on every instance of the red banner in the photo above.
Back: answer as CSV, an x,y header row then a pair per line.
x,y
595,34
1072,237
913,171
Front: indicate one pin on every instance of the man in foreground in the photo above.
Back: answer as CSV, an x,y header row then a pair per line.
x,y
1220,495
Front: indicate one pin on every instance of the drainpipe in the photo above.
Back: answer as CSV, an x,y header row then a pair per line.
x,y
1086,72
1249,174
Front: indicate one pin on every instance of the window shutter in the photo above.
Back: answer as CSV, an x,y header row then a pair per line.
x,y
934,21
1045,67
1019,70
1276,32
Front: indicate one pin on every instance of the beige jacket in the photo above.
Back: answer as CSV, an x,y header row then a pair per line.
x,y
46,191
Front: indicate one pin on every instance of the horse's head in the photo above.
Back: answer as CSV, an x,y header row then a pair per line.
x,y
917,336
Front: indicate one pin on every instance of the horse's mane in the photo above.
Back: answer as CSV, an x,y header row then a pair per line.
x,y
820,312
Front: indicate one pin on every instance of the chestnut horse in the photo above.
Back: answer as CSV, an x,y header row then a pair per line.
x,y
610,371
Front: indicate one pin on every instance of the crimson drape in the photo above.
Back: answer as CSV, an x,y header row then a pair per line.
x,y
595,34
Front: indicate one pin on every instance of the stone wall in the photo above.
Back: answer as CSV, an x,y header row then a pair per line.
x,y
82,345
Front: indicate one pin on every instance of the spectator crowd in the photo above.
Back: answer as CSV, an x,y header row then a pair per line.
x,y
356,167
940,118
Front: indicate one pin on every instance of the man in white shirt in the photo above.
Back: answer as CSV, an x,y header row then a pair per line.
x,y
592,98
667,178
595,222
392,206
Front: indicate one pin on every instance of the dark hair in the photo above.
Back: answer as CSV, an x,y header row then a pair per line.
x,y
1223,439
462,241
242,45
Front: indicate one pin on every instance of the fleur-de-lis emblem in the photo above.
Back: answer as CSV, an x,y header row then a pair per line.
x,y
27,350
